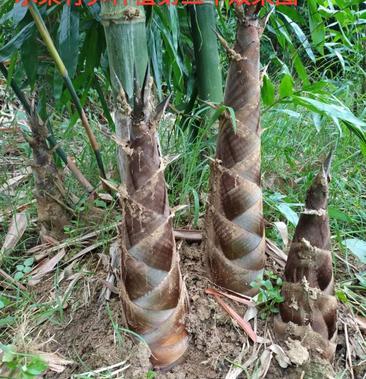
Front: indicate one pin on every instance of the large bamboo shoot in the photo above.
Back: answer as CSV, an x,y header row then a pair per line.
x,y
235,240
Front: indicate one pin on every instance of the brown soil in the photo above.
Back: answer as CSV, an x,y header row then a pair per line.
x,y
215,340
88,338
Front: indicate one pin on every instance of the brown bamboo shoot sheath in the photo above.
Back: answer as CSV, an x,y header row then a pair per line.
x,y
235,242
153,293
309,311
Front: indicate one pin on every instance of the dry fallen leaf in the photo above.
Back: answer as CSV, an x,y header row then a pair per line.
x,y
44,268
265,362
281,357
275,253
55,362
282,229
114,265
105,197
240,299
16,230
243,324
250,313
361,322
9,186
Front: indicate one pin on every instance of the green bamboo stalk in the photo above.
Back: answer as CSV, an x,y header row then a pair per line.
x,y
126,28
208,71
50,138
125,34
41,26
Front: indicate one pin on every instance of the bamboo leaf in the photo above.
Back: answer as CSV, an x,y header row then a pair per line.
x,y
317,27
93,47
290,215
94,9
292,12
15,43
332,110
6,17
196,206
246,300
45,267
58,85
286,86
155,49
29,54
336,214
300,68
316,120
268,91
301,37
281,33
341,59
69,38
357,248
18,13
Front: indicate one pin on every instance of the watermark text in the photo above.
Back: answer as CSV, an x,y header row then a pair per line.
x,y
79,3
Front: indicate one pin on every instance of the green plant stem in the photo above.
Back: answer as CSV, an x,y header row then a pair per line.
x,y
65,75
125,27
207,58
50,138
208,71
125,34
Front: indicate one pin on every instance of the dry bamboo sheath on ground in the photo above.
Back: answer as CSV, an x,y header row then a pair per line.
x,y
309,312
235,242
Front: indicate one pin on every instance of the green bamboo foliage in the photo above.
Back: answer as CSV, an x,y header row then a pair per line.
x,y
207,59
152,290
50,137
64,73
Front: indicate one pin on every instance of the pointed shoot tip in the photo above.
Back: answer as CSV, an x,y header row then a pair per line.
x,y
327,164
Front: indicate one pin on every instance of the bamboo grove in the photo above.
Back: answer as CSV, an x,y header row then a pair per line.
x,y
129,38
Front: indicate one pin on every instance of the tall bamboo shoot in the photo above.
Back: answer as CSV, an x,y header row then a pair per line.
x,y
235,240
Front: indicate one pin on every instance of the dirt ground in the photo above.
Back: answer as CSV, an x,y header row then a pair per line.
x,y
218,346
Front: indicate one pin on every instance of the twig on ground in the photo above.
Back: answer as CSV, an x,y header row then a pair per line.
x,y
12,280
349,356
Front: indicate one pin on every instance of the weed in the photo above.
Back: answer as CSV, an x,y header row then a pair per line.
x,y
269,295
23,269
151,374
14,364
